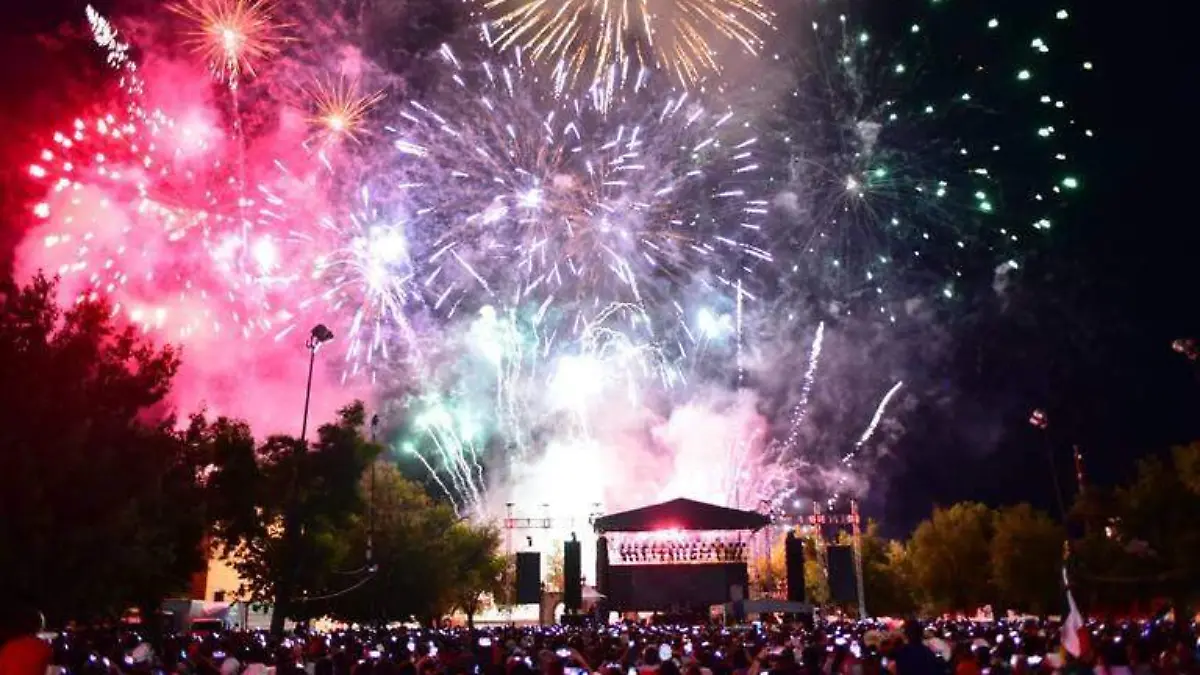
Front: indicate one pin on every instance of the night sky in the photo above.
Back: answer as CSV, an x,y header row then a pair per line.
x,y
1086,333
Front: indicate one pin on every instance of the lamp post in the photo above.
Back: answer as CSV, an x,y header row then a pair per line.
x,y
371,498
319,335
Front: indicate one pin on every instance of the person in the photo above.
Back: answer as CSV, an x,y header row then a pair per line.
x,y
21,651
914,657
965,660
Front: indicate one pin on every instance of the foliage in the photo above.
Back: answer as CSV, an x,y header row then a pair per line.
x,y
99,494
816,581
428,561
951,558
887,575
768,574
1142,538
476,568
1026,560
554,570
282,507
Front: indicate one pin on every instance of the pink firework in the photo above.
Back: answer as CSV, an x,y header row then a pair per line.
x,y
137,210
143,208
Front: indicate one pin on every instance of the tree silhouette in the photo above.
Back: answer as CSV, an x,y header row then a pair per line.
x,y
101,505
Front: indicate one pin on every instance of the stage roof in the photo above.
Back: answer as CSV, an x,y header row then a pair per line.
x,y
681,514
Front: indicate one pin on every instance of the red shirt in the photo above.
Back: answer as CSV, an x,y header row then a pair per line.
x,y
24,656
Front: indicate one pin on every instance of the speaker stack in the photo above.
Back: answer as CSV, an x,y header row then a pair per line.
x,y
794,556
529,578
572,577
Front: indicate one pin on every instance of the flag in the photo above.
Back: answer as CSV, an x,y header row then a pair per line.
x,y
1074,634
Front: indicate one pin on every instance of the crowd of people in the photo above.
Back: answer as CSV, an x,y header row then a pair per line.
x,y
697,551
822,648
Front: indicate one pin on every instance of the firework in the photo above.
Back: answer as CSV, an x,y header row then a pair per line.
x,y
898,170
137,210
362,270
233,36
341,109
585,38
530,199
563,257
867,434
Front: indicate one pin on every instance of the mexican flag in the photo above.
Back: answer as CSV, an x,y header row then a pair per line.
x,y
1075,637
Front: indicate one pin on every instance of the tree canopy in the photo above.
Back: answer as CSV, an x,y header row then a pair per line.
x,y
109,503
101,505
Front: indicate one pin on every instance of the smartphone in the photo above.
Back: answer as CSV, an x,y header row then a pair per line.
x,y
664,652
374,654
563,653
432,649
485,642
412,646
885,662
687,648
632,671
218,655
572,671
1034,660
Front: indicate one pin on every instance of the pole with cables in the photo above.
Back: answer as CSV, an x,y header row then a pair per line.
x,y
371,510
319,335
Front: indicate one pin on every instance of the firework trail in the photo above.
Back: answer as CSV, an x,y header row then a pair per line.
x,y
868,433
800,410
587,40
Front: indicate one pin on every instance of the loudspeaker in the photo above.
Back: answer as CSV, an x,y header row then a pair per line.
x,y
793,552
602,565
843,584
572,573
529,578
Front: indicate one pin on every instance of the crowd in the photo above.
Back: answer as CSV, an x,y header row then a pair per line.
x,y
825,648
681,552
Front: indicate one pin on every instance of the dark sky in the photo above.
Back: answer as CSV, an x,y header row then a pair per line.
x,y
1087,335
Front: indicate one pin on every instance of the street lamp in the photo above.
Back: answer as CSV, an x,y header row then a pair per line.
x,y
320,335
371,506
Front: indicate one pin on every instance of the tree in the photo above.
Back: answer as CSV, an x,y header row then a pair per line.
x,y
1158,523
951,558
769,572
407,530
428,560
1027,552
554,569
816,581
1186,460
887,582
315,488
477,568
100,502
